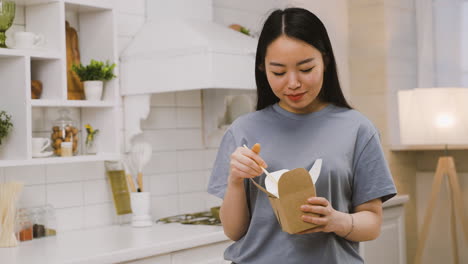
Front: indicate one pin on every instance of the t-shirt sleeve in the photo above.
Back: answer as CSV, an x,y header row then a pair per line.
x,y
220,172
372,177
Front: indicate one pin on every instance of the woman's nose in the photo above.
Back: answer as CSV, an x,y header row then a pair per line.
x,y
293,82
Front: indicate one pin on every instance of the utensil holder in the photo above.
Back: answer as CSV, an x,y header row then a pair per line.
x,y
141,208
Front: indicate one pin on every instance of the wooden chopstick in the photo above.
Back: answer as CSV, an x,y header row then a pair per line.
x,y
265,171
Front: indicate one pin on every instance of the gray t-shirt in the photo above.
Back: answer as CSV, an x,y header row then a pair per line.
x,y
354,171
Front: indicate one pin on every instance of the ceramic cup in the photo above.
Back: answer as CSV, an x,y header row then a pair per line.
x,y
40,144
28,40
141,209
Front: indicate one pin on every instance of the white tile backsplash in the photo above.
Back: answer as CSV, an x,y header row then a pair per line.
x,y
192,181
188,139
189,160
161,162
161,117
192,202
163,99
66,173
188,98
129,24
99,215
32,196
189,117
62,195
164,184
29,175
97,191
164,206
70,218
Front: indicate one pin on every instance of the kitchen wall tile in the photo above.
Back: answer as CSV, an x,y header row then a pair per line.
x,y
192,202
164,184
72,172
209,158
193,181
129,24
32,196
99,215
63,195
188,98
29,175
70,218
94,171
161,117
161,162
136,7
163,99
164,206
188,139
189,117
188,160
97,191
212,201
161,139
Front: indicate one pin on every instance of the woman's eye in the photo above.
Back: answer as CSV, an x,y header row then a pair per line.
x,y
278,73
307,70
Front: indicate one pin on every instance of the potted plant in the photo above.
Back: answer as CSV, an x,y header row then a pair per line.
x,y
93,77
5,125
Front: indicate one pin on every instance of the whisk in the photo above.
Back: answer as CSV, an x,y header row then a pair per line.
x,y
140,154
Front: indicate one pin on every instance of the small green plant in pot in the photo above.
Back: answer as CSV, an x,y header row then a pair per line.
x,y
93,76
5,125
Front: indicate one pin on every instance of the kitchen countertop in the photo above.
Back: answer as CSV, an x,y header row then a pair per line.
x,y
112,244
121,243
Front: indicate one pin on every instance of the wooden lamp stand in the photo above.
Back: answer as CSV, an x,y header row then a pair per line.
x,y
445,167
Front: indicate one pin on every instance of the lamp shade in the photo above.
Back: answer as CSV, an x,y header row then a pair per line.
x,y
431,116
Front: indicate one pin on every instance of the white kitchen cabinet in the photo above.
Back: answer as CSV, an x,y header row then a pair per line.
x,y
206,254
95,23
390,246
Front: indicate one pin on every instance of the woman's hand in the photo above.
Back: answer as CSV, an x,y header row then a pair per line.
x,y
327,219
245,163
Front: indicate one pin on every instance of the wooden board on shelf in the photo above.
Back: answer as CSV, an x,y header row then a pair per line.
x,y
75,88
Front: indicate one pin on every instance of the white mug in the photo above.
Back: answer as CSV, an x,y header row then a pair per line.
x,y
40,144
28,40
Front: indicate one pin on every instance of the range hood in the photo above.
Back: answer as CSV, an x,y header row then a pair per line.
x,y
180,48
174,54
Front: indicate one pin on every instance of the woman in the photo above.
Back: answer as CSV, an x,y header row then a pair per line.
x,y
301,116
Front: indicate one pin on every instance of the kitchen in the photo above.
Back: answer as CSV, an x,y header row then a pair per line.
x,y
175,121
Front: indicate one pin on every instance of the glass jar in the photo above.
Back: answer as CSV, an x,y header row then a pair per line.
x,y
50,220
38,221
24,227
64,130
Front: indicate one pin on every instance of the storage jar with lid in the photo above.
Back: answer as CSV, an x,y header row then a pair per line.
x,y
64,130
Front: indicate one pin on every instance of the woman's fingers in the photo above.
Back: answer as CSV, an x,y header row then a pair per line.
x,y
316,209
254,156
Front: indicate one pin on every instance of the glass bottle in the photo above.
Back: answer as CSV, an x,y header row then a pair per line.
x,y
24,227
64,130
38,221
50,221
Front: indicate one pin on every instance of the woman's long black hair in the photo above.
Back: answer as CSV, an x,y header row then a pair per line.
x,y
300,24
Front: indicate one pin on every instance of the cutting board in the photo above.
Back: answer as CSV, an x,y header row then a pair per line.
x,y
75,88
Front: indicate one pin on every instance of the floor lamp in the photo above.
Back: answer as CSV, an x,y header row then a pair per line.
x,y
431,117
